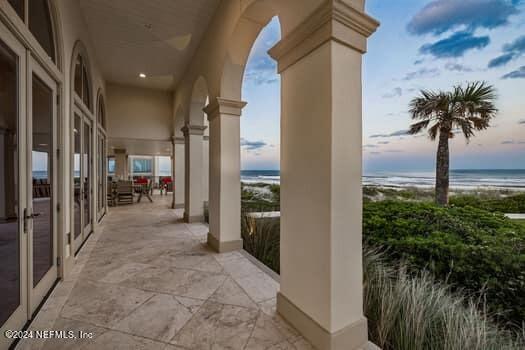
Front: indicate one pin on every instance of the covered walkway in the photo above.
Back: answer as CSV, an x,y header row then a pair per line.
x,y
147,280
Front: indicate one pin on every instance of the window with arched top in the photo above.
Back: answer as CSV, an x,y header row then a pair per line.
x,y
101,113
38,19
82,84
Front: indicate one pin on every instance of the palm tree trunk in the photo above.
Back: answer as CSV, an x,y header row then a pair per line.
x,y
442,168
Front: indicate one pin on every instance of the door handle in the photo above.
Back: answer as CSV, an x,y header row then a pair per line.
x,y
28,217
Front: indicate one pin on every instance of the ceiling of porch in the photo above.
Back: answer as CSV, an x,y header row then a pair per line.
x,y
154,37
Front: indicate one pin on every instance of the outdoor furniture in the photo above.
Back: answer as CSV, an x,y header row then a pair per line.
x,y
112,194
166,185
144,189
124,192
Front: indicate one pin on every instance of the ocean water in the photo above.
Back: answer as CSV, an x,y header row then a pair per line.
x,y
459,179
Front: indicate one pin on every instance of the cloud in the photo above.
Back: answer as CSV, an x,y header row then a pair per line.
x,y
396,92
511,51
440,16
394,134
416,62
516,74
422,73
261,68
455,45
252,145
456,67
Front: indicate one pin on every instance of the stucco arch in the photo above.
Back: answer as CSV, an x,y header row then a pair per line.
x,y
199,97
254,18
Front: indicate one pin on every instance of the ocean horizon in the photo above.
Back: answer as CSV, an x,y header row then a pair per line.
x,y
513,179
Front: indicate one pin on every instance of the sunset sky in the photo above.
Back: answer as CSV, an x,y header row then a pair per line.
x,y
422,44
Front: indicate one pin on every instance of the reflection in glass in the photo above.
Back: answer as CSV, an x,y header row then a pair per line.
x,y
40,25
76,177
42,165
19,6
86,174
9,186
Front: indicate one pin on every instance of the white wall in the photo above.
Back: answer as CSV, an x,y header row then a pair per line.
x,y
138,113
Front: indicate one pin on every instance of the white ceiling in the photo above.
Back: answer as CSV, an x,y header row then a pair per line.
x,y
155,37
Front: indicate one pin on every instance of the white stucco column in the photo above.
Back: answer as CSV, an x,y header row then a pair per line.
x,y
179,172
193,204
321,290
121,164
172,158
225,174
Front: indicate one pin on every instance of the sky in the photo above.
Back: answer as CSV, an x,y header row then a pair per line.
x,y
423,44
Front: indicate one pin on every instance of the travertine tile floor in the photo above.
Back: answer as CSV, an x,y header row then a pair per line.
x,y
146,280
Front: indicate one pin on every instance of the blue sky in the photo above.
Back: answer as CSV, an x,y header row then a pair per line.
x,y
431,44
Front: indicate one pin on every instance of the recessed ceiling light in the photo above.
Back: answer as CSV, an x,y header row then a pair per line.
x,y
142,75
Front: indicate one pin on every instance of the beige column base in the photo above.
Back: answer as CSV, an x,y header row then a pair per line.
x,y
179,206
192,219
224,247
352,337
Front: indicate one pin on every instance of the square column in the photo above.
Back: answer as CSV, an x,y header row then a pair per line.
x,y
121,164
172,158
225,174
321,290
193,204
179,171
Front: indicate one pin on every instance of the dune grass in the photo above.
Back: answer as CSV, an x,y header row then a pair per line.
x,y
408,312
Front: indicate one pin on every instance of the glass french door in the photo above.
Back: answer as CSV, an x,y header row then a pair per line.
x,y
28,230
101,174
13,189
42,166
82,177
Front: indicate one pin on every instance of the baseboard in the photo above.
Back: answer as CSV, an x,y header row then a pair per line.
x,y
192,219
224,247
352,337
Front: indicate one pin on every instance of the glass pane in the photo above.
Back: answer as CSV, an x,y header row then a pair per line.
x,y
100,176
19,6
40,25
76,177
78,76
9,235
42,166
86,173
86,91
111,165
142,166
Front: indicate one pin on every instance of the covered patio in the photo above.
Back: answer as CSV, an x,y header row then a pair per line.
x,y
164,78
147,280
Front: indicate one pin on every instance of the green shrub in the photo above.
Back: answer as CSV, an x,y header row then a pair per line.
x,y
511,204
415,312
469,248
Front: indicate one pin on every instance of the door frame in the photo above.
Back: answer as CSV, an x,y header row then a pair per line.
x,y
85,117
38,292
19,317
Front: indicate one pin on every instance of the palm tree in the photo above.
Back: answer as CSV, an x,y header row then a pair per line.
x,y
445,113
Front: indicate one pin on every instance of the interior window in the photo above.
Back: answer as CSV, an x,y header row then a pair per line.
x,y
40,25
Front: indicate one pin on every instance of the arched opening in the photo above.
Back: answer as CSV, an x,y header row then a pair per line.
x,y
260,139
196,154
82,81
83,131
